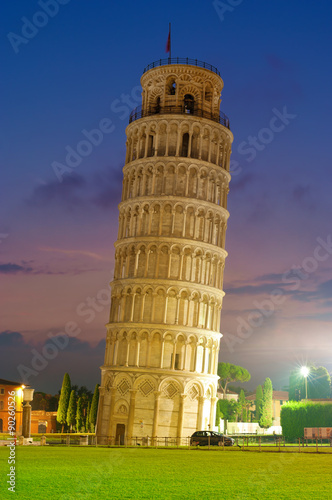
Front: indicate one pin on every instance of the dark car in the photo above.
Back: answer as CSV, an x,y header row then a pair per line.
x,y
202,438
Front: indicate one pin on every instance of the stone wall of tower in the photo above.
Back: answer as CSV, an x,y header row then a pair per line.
x,y
159,377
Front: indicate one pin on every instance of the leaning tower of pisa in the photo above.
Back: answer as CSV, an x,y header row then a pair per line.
x,y
159,377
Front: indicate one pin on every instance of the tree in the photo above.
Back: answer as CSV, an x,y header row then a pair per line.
x,y
258,402
94,409
319,384
79,415
243,403
87,419
64,401
231,373
227,409
266,416
71,412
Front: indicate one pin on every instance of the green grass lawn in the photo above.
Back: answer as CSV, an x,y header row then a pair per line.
x,y
116,473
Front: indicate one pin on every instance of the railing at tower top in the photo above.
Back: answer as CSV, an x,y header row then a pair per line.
x,y
178,110
181,60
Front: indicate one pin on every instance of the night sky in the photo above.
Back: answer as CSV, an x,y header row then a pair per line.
x,y
83,65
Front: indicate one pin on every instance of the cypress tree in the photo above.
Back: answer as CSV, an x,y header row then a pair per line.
x,y
71,412
94,409
79,415
64,401
242,402
87,420
258,402
266,416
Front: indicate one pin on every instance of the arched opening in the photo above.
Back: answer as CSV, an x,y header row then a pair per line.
x,y
41,428
208,93
157,109
185,144
150,145
189,103
172,87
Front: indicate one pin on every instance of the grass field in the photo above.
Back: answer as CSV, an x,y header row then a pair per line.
x,y
117,473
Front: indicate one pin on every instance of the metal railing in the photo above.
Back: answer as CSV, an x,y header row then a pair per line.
x,y
243,442
181,60
138,113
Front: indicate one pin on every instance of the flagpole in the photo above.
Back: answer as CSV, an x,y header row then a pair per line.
x,y
170,43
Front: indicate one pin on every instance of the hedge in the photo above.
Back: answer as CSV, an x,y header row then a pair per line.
x,y
295,416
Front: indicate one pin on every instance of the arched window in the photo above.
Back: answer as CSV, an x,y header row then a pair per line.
x,y
1,405
158,105
150,145
185,144
208,93
172,87
189,103
1,425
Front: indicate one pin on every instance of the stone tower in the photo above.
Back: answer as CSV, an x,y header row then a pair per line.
x,y
160,372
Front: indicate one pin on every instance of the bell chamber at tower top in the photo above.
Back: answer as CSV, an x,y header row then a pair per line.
x,y
180,115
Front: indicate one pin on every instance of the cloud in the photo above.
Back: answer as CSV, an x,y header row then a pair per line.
x,y
73,252
108,187
324,290
302,196
8,338
55,192
102,190
48,364
244,181
10,268
256,289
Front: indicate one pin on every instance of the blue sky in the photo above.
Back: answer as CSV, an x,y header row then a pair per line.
x,y
57,238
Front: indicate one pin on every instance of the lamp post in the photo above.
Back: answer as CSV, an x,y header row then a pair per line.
x,y
305,372
26,420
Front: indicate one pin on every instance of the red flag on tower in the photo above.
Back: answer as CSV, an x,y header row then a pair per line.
x,y
168,43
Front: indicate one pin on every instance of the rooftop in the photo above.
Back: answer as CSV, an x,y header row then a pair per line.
x,y
181,60
282,395
9,382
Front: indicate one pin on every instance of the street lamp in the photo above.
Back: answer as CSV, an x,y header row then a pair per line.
x,y
305,372
26,420
20,407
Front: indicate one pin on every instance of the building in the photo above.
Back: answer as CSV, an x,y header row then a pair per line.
x,y
43,421
278,399
8,391
159,377
230,395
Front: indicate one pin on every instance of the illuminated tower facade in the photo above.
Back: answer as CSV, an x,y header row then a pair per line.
x,y
159,377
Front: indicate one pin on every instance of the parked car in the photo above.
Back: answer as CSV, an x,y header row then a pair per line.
x,y
201,438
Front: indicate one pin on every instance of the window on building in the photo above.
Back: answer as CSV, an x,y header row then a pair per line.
x,y
189,103
1,405
185,144
1,425
177,361
172,87
158,105
150,146
2,391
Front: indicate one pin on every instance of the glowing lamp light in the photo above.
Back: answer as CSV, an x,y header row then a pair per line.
x,y
305,372
28,394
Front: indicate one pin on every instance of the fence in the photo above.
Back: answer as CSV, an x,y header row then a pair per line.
x,y
243,443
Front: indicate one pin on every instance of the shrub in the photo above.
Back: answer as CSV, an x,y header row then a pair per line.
x,y
295,416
